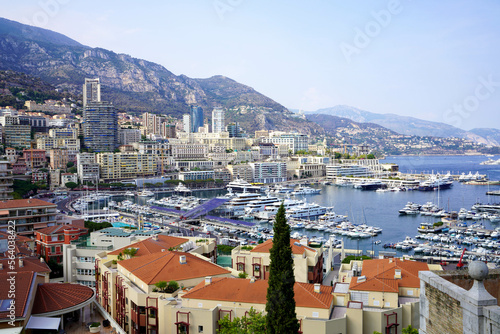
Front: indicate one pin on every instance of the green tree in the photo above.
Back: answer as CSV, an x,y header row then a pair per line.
x,y
410,330
161,285
280,306
253,323
370,156
70,164
71,185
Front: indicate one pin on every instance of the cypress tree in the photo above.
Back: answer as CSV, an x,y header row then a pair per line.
x,y
280,306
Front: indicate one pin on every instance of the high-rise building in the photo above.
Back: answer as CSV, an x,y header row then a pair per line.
x,y
91,91
152,123
217,120
196,118
186,121
234,130
100,128
168,130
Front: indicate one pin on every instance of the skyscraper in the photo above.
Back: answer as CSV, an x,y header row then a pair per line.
x,y
100,126
186,121
196,118
217,120
91,91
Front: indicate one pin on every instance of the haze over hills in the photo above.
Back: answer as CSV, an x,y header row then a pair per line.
x,y
410,125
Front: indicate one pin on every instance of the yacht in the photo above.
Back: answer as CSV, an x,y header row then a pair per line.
x,y
373,185
490,162
436,182
281,189
271,210
306,191
236,205
242,185
332,217
259,204
145,193
306,210
343,183
182,189
129,194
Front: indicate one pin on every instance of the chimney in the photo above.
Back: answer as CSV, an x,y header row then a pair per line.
x,y
390,260
163,249
21,263
208,280
317,287
252,279
155,237
182,259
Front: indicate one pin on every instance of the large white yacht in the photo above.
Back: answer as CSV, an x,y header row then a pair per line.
x,y
271,209
182,189
242,185
306,210
259,204
145,193
306,191
236,205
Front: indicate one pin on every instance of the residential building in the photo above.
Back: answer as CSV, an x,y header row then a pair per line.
x,y
50,240
91,91
6,181
218,120
68,177
11,154
49,106
189,151
35,158
222,174
17,135
186,165
116,166
19,167
242,171
197,175
63,138
295,142
261,133
39,176
100,126
168,130
152,123
186,123
28,215
265,151
308,261
37,123
54,178
196,118
129,136
234,130
87,167
59,158
268,172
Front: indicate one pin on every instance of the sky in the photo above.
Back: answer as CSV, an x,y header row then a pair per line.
x,y
434,60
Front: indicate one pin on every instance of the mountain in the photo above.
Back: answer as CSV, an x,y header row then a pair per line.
x,y
403,124
133,85
492,135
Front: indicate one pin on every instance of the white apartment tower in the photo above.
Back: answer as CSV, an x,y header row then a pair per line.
x,y
91,91
186,120
218,120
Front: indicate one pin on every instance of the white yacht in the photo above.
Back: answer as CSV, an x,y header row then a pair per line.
x,y
182,189
306,191
332,217
271,209
129,194
306,210
145,193
259,204
236,205
281,189
242,185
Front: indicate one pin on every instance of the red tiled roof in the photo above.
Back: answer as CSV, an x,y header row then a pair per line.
x,y
58,229
52,297
165,266
297,247
19,238
380,273
24,203
244,291
30,264
150,245
23,283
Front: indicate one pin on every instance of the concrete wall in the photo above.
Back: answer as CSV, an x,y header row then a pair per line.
x,y
448,308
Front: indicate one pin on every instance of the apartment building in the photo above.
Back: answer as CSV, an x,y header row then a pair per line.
x,y
129,136
268,172
197,175
17,135
59,158
189,151
28,215
6,181
35,158
295,142
50,240
255,261
116,166
87,167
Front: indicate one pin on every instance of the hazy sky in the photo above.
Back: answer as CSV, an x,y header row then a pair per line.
x,y
436,60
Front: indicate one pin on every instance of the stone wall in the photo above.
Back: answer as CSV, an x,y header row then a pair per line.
x,y
445,313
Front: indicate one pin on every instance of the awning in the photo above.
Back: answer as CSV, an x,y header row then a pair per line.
x,y
43,323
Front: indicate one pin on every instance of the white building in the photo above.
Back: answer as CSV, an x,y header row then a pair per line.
x,y
91,91
87,167
186,121
268,172
295,142
197,175
129,136
218,120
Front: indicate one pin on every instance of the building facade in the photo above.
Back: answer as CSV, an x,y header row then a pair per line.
x,y
6,181
218,120
100,126
196,118
115,166
28,215
91,91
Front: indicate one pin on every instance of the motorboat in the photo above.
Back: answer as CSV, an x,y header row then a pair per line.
x,y
145,193
239,185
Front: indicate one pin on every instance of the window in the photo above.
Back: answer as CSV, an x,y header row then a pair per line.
x,y
52,249
200,329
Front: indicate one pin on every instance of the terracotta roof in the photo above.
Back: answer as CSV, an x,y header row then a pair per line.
x,y
22,203
165,266
150,245
244,291
297,248
58,229
19,238
24,284
30,264
52,297
380,273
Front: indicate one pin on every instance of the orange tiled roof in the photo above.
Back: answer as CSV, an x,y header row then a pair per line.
x,y
19,238
24,203
297,248
57,229
150,246
30,264
24,285
52,297
244,291
165,266
380,272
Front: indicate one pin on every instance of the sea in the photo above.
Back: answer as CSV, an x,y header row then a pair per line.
x,y
381,208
